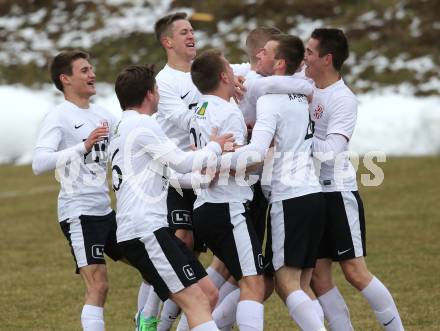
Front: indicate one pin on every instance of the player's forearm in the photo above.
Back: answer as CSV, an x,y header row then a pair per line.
x,y
333,145
184,162
45,159
251,154
283,85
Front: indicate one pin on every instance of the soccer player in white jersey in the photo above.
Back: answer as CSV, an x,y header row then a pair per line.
x,y
141,154
74,141
297,204
334,111
178,96
220,211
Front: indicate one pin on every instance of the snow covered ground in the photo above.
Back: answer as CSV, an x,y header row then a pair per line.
x,y
393,123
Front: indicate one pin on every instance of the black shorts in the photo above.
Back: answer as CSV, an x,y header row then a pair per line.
x,y
229,233
344,230
258,211
180,214
90,237
164,261
297,227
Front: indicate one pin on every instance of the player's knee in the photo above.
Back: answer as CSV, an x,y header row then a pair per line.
x,y
252,287
211,293
357,277
268,286
320,284
99,288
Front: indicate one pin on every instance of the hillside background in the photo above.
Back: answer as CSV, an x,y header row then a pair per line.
x,y
394,43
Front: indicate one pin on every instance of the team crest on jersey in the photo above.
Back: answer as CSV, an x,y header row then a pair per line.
x,y
201,111
317,113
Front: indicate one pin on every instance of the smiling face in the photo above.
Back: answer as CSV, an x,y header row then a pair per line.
x,y
83,79
182,40
315,64
266,58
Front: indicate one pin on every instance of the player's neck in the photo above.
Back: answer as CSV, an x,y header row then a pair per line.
x,y
222,93
178,63
327,79
77,100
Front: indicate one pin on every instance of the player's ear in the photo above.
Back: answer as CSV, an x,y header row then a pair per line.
x,y
328,59
166,42
224,77
64,79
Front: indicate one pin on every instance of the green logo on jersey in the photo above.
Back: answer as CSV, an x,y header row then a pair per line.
x,y
202,109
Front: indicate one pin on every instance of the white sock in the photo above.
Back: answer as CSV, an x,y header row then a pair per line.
x,y
250,316
383,305
318,310
151,307
225,313
301,309
144,289
183,324
207,326
92,318
226,288
335,311
216,278
169,313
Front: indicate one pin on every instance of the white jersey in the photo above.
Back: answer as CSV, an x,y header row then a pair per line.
x,y
334,111
211,112
140,154
248,107
140,188
286,117
84,187
178,95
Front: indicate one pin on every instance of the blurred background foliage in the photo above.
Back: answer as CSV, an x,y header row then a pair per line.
x,y
393,42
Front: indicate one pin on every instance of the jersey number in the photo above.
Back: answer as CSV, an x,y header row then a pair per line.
x,y
197,139
116,173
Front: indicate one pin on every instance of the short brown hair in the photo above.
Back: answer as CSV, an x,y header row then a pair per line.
x,y
206,70
290,49
162,25
132,84
334,42
257,38
62,64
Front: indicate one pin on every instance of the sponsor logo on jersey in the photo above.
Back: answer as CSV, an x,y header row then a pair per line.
x,y
201,111
317,113
98,251
184,96
78,126
181,217
189,272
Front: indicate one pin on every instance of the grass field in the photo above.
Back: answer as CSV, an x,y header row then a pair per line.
x,y
39,290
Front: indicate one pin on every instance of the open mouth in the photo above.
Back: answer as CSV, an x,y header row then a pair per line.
x,y
192,44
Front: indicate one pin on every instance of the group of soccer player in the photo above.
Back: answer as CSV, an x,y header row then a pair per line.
x,y
264,182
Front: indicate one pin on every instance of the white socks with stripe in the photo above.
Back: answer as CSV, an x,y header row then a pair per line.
x,y
335,310
250,316
383,305
301,309
92,318
169,313
207,326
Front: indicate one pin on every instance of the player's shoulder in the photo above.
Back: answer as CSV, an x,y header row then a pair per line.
x,y
342,90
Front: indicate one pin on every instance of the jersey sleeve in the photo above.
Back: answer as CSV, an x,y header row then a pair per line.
x,y
343,117
282,85
51,134
235,124
266,115
172,107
